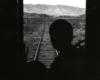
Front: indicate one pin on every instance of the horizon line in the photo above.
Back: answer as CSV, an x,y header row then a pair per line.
x,y
55,5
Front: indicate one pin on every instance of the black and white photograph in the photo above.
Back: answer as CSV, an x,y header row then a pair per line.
x,y
49,40
53,30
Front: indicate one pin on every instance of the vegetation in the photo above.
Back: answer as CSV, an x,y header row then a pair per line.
x,y
33,27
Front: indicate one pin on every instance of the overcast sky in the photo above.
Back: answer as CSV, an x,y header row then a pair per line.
x,y
76,3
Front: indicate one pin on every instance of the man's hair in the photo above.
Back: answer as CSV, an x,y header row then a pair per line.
x,y
60,32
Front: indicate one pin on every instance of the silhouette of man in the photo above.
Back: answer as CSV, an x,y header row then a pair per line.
x,y
68,65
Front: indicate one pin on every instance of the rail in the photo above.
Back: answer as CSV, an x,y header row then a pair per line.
x,y
37,50
39,45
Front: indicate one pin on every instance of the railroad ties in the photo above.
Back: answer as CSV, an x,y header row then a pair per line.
x,y
44,51
33,44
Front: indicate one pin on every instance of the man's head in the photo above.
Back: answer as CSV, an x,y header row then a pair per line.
x,y
61,34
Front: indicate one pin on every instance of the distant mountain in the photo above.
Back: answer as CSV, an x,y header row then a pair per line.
x,y
55,10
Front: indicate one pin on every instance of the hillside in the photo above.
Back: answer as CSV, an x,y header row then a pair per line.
x,y
55,10
82,16
32,15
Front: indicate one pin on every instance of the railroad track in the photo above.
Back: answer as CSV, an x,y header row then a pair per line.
x,y
44,51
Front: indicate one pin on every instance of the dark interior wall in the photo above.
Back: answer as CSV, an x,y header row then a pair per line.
x,y
92,23
93,38
8,34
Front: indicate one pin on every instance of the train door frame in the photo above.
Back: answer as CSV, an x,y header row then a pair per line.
x,y
92,37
